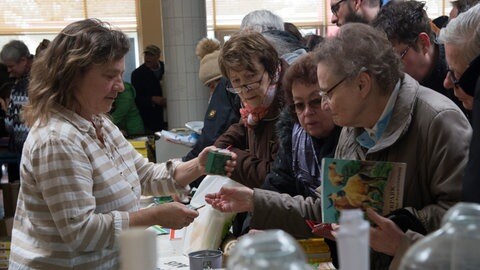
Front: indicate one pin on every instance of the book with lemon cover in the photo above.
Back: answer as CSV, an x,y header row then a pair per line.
x,y
350,184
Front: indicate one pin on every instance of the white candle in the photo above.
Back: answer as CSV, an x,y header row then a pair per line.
x,y
138,249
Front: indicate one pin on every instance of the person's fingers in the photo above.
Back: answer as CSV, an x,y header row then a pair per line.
x,y
211,196
323,230
230,165
192,214
208,200
376,218
233,155
253,231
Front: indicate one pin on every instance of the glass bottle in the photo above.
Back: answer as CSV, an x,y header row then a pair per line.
x,y
272,249
454,246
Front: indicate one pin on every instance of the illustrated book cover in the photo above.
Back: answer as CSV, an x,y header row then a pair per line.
x,y
351,184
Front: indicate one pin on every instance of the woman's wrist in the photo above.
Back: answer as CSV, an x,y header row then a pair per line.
x,y
187,172
138,218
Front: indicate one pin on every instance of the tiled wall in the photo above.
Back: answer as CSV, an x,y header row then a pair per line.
x,y
184,24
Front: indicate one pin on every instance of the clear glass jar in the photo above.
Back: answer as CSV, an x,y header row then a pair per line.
x,y
272,249
455,246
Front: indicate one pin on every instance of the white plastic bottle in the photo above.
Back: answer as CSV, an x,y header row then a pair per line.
x,y
353,241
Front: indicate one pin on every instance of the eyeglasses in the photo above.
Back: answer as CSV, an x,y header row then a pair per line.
x,y
452,77
335,7
404,52
247,87
328,93
313,104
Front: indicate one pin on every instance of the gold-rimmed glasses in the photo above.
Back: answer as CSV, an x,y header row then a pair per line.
x,y
247,87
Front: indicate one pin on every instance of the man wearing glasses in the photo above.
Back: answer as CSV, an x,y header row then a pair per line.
x,y
346,11
408,28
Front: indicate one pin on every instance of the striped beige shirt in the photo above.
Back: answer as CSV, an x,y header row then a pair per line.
x,y
76,193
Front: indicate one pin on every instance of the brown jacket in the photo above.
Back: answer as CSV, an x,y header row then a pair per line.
x,y
256,147
429,133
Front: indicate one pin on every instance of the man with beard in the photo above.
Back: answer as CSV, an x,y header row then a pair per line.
x,y
346,11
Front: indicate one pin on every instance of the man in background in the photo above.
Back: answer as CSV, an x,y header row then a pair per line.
x,y
146,79
347,11
408,28
16,56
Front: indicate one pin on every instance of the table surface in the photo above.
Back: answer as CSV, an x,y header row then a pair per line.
x,y
169,254
170,257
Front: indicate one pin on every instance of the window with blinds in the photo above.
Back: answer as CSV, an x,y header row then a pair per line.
x,y
225,15
50,16
436,8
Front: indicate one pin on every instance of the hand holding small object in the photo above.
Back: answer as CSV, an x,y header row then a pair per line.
x,y
231,199
211,160
189,206
325,230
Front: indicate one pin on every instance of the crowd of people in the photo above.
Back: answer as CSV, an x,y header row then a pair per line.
x,y
390,85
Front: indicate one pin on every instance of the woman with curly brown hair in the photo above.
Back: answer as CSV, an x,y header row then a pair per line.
x,y
81,180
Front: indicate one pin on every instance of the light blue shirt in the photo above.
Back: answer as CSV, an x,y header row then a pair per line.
x,y
369,137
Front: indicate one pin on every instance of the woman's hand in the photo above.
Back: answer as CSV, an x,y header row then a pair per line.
x,y
187,172
203,157
386,237
326,230
232,199
172,215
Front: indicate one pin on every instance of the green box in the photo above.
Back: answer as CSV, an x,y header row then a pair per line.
x,y
216,161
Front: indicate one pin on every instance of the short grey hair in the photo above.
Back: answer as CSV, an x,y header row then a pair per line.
x,y
262,20
14,51
464,32
358,47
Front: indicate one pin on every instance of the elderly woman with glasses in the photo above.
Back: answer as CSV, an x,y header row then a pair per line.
x,y
255,71
387,116
306,133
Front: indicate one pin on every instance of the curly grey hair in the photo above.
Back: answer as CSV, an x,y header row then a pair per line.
x,y
358,47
